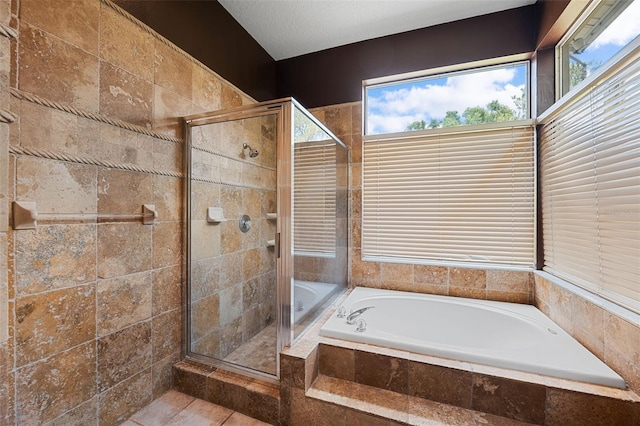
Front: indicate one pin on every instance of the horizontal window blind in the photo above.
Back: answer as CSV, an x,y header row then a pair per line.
x,y
464,196
314,198
590,179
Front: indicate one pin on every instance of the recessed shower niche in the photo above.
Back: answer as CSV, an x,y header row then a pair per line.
x,y
267,231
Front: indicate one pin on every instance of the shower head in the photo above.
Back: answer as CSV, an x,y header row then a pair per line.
x,y
253,153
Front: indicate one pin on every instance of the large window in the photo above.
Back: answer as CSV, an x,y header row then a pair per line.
x,y
590,180
456,185
478,95
606,28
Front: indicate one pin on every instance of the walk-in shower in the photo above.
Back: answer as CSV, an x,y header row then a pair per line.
x,y
266,232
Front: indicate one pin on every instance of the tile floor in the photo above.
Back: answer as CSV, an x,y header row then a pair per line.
x,y
179,409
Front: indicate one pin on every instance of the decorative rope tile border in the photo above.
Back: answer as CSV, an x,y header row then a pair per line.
x,y
7,31
30,97
7,116
50,155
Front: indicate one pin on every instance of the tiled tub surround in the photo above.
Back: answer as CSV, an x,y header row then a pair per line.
x,y
506,335
94,309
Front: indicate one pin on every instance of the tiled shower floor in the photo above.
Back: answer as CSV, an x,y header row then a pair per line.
x,y
178,409
258,353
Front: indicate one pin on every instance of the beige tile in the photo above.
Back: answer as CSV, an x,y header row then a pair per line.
x,y
167,244
163,409
399,272
204,278
52,322
82,415
588,327
337,362
126,398
191,378
125,96
56,70
168,107
173,70
239,419
122,191
166,289
209,345
49,388
251,265
568,408
167,156
230,97
162,374
205,316
433,275
381,371
508,398
466,277
339,119
508,281
73,21
125,44
54,256
230,269
206,88
230,237
440,384
230,304
205,240
56,186
64,132
166,334
124,354
167,197
425,412
123,301
123,248
622,349
201,413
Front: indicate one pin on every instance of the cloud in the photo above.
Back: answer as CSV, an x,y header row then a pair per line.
x,y
624,29
392,110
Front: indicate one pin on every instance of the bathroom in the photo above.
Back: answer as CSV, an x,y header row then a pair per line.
x,y
91,101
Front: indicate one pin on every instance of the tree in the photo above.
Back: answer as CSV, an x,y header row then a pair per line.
x,y
476,115
451,119
417,125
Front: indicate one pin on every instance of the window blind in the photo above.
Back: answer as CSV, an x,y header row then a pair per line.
x,y
466,195
314,198
590,179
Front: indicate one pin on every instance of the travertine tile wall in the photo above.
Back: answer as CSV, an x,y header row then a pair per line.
x,y
94,309
6,37
345,121
233,278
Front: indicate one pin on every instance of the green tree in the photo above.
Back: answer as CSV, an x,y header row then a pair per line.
x,y
499,112
417,125
521,104
434,123
451,119
476,115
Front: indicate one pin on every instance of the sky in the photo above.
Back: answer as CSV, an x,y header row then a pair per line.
x,y
392,108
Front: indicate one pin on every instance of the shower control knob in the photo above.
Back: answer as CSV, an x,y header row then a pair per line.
x,y
245,223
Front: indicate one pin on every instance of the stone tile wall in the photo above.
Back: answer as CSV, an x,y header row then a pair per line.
x,y
90,311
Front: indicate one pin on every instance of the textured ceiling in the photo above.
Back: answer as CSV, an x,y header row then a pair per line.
x,y
289,28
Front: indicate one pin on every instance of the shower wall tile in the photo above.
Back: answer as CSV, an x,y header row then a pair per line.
x,y
123,248
173,70
126,398
166,289
123,354
208,345
167,156
48,388
231,304
206,90
125,96
168,107
165,334
55,256
230,97
167,197
469,278
123,301
231,337
162,374
57,187
125,44
123,192
51,322
75,23
57,70
83,414
205,277
230,237
205,315
205,240
167,244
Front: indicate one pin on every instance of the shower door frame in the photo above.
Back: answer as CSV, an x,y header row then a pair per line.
x,y
282,108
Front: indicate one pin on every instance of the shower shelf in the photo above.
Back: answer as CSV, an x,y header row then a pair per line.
x,y
215,215
272,216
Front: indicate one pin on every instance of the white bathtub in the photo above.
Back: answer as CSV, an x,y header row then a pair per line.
x,y
498,334
307,296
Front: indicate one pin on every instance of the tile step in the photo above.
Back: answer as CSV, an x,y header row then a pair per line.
x,y
398,408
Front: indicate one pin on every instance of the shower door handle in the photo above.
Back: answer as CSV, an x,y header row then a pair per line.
x,y
277,245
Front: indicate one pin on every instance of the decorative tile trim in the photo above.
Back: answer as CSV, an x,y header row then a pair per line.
x,y
7,31
26,96
33,152
7,116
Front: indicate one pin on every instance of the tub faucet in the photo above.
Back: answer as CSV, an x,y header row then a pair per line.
x,y
351,318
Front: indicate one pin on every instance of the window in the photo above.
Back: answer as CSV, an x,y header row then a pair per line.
x,y
590,181
461,189
608,26
497,93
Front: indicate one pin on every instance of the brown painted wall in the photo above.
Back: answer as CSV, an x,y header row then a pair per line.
x,y
335,75
206,31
